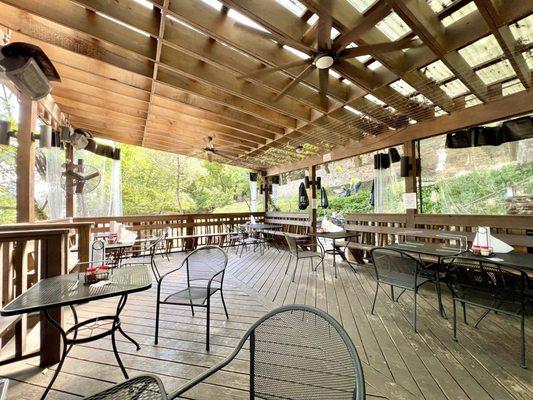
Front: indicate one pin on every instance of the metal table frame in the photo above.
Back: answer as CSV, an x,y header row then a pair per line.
x,y
334,251
113,320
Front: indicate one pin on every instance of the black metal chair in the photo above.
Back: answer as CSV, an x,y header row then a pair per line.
x,y
296,252
491,287
205,269
296,352
397,269
156,245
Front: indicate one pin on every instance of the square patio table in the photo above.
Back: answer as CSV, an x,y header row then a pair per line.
x,y
68,290
334,236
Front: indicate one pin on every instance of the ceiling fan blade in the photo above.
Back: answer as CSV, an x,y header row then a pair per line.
x,y
297,80
79,187
91,176
380,48
324,26
264,71
323,75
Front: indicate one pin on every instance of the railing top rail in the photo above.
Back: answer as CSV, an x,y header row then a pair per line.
x,y
165,217
44,225
33,234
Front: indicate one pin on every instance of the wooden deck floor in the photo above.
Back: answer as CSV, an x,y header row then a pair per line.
x,y
398,363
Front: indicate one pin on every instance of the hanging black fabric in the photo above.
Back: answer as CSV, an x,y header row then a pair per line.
x,y
381,161
509,131
323,198
371,201
303,199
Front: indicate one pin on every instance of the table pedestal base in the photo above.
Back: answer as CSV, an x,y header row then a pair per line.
x,y
114,320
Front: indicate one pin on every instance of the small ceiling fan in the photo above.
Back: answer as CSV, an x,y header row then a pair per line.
x,y
209,150
328,52
79,178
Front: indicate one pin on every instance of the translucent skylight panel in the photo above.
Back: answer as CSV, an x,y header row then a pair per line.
x,y
439,111
313,19
374,99
243,19
333,73
459,14
422,100
483,50
523,30
393,26
496,72
173,18
438,5
293,6
217,5
145,3
437,71
471,100
298,53
528,55
353,110
362,5
374,65
512,87
454,88
334,33
403,87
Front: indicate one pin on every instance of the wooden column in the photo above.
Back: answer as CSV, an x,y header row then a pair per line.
x,y
54,262
26,161
69,203
409,150
312,197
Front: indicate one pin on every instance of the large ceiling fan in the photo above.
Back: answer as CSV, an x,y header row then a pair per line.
x,y
328,52
209,150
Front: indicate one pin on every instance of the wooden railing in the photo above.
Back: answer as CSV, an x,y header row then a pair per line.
x,y
292,222
28,254
381,229
180,224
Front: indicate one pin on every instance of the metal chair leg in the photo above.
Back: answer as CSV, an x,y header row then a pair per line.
x,y
288,264
224,303
523,339
207,323
463,304
157,307
414,312
392,293
295,268
192,309
375,298
454,320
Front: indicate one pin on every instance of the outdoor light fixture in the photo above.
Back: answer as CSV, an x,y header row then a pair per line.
x,y
44,137
299,149
5,133
309,182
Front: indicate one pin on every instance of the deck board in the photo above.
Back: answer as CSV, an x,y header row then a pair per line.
x,y
398,363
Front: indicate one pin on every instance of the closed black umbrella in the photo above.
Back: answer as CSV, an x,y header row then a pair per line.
x,y
303,199
323,199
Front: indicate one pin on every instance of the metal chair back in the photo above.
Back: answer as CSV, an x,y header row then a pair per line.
x,y
293,245
390,265
153,247
206,263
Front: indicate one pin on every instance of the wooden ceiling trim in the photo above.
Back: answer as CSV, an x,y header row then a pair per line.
x,y
70,15
54,38
225,30
172,97
502,107
99,114
507,42
200,89
219,119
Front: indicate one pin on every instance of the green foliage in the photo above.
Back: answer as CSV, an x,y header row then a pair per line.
x,y
358,202
478,192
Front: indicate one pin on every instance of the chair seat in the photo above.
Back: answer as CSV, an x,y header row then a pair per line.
x,y
145,387
308,254
195,294
403,280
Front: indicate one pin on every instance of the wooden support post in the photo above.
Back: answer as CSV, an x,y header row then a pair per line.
x,y
409,150
20,263
54,263
26,161
312,209
69,203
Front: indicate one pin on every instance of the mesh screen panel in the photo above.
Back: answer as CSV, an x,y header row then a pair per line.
x,y
139,388
299,355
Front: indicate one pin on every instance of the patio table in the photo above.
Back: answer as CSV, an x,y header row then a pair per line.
x,y
333,236
259,226
68,290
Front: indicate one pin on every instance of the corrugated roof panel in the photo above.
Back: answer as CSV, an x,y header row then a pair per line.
x,y
362,5
496,72
439,111
293,6
528,55
511,87
437,71
422,100
403,87
454,88
374,65
483,50
459,14
374,99
393,26
523,30
439,5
